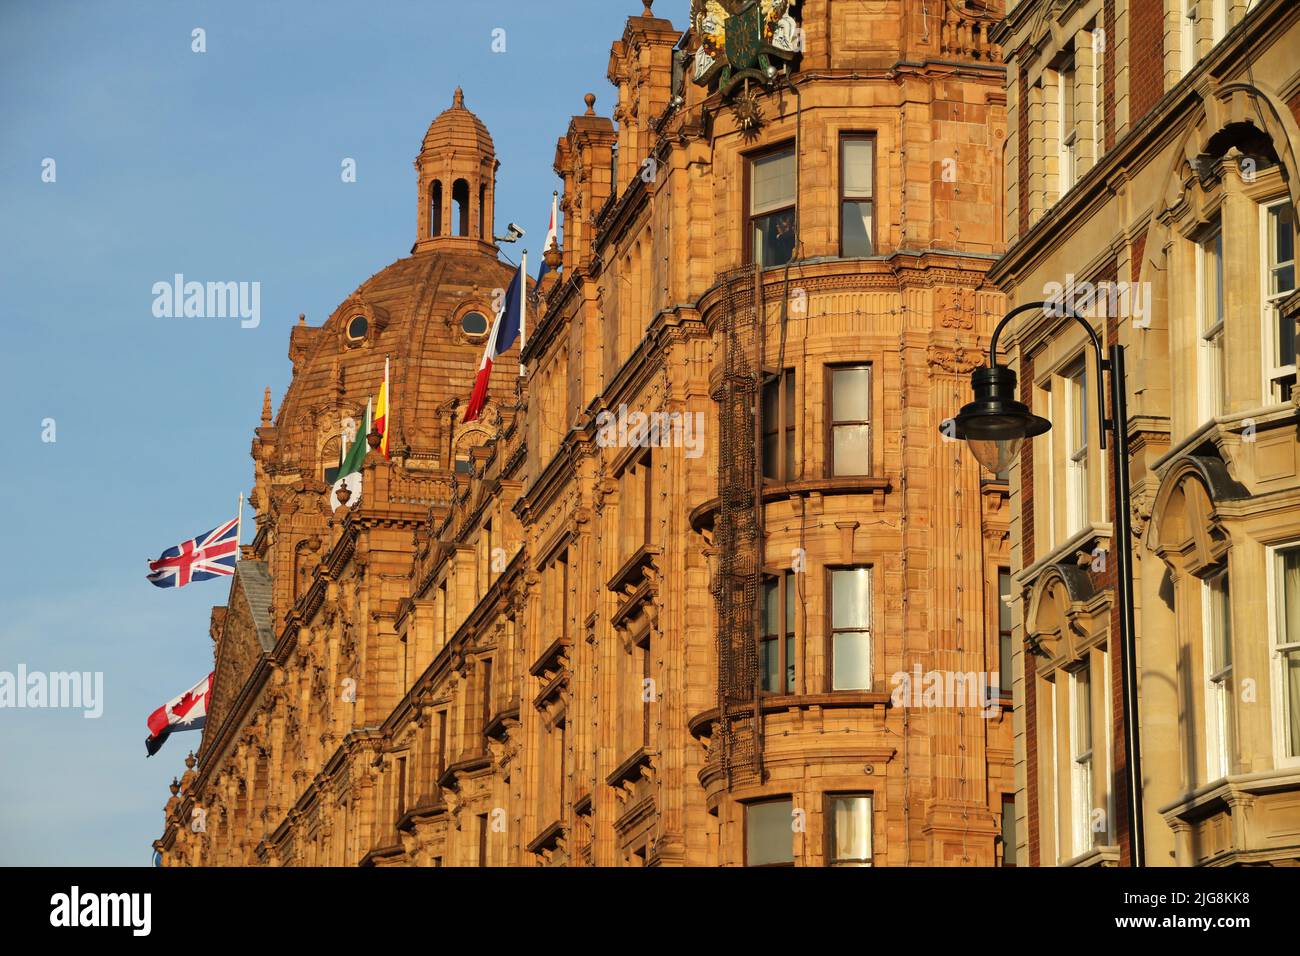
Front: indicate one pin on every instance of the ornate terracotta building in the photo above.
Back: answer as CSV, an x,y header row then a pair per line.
x,y
708,585
1153,151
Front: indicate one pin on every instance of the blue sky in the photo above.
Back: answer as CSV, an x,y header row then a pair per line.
x,y
224,166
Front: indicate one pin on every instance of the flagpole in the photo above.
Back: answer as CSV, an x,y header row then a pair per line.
x,y
388,407
239,527
523,309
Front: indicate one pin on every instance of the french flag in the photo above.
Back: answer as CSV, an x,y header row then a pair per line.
x,y
506,327
552,235
189,711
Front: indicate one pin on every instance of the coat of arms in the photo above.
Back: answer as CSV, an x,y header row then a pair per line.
x,y
739,38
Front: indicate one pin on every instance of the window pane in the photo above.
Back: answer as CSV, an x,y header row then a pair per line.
x,y
1083,711
771,607
789,663
856,230
789,603
851,394
850,831
851,598
852,450
769,836
1008,831
774,238
768,664
852,664
1281,235
858,161
772,182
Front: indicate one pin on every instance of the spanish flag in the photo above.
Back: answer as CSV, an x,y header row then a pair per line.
x,y
381,412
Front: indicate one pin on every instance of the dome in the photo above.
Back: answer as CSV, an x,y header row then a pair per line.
x,y
458,128
423,313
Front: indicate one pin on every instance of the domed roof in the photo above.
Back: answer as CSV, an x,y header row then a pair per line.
x,y
412,310
458,128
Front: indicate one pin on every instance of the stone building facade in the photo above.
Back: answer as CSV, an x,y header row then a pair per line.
x,y
1152,150
709,585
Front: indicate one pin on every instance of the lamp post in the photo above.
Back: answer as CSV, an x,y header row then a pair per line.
x,y
995,425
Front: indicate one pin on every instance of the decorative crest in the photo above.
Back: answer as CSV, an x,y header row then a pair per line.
x,y
739,38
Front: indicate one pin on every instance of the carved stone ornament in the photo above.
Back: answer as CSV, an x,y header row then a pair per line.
x,y
956,360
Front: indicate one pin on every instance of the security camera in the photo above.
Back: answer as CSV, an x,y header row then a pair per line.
x,y
513,234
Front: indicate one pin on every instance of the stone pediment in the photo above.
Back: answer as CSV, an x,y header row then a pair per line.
x,y
244,634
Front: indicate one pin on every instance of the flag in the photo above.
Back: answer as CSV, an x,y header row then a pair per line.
x,y
189,711
552,235
506,327
206,556
381,412
350,467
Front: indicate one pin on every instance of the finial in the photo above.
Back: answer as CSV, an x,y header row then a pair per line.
x,y
648,5
458,99
190,761
302,318
266,406
175,786
590,100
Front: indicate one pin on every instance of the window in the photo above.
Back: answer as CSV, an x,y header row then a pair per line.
x,y
1005,647
473,323
1081,757
1187,37
401,786
482,839
769,834
1067,96
357,328
778,427
1008,829
850,420
1286,647
463,465
1209,282
776,655
1218,671
442,742
851,629
1279,282
772,208
848,830
857,189
636,505
1076,438
486,689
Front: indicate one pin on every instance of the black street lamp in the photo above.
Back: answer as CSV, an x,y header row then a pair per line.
x,y
995,425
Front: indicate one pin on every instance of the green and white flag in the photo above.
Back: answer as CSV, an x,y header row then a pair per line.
x,y
350,467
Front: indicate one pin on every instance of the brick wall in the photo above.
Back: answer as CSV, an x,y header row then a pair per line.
x,y
1108,73
1146,56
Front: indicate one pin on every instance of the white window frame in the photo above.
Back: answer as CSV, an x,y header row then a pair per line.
x,y
1081,765
1068,161
1210,365
1218,680
1273,373
1075,378
1056,776
1283,746
1187,37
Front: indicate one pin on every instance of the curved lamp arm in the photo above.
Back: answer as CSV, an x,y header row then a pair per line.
x,y
1102,364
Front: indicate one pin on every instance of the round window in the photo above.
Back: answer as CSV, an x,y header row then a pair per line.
x,y
474,323
357,328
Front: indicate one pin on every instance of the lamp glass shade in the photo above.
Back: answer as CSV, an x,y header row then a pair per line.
x,y
996,455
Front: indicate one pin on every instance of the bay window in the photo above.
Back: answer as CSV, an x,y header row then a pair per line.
x,y
1217,619
848,830
1286,650
1279,282
776,654
857,196
769,833
850,420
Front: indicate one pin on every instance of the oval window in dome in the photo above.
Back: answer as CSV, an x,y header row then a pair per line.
x,y
474,323
357,328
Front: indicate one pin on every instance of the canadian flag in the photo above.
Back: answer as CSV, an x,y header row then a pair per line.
x,y
189,711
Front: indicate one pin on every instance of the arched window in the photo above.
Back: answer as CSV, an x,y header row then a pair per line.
x,y
435,208
460,206
482,210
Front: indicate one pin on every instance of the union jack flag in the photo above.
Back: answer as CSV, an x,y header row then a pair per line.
x,y
207,556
